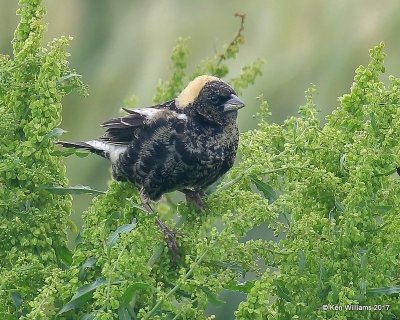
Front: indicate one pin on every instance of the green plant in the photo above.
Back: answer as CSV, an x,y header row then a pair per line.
x,y
334,185
33,221
326,189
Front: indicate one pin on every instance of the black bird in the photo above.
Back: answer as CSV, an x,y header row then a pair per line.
x,y
184,144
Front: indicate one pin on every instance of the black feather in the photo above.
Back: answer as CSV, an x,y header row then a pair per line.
x,y
76,145
132,120
82,145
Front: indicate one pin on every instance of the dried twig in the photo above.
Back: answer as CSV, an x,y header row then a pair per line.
x,y
236,38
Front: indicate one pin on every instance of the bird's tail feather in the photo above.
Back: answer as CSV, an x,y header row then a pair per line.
x,y
83,145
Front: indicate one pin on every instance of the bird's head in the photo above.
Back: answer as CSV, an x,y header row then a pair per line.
x,y
211,99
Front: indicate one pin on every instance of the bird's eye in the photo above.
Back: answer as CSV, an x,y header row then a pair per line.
x,y
214,99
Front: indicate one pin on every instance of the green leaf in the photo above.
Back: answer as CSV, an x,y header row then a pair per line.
x,y
387,173
89,263
125,310
137,206
112,240
82,295
302,261
362,288
68,77
88,316
342,161
331,214
113,217
16,299
78,189
373,121
265,189
72,226
56,132
383,291
78,239
211,296
323,273
363,258
70,82
229,265
339,206
123,314
131,290
64,255
241,287
282,293
383,209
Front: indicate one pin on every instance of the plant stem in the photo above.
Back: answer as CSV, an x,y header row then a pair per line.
x,y
180,282
154,258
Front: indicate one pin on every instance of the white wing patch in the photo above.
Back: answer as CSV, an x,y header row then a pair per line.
x,y
113,150
181,116
149,113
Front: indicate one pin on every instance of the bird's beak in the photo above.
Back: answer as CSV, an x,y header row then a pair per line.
x,y
233,104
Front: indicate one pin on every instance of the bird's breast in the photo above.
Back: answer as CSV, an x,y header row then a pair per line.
x,y
214,144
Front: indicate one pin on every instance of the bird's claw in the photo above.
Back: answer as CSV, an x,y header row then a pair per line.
x,y
195,198
170,240
169,235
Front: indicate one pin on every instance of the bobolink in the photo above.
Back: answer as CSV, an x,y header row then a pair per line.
x,y
184,144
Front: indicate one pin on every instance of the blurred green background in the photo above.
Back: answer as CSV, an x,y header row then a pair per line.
x,y
123,47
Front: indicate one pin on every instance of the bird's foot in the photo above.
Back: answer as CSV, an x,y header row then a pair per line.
x,y
169,235
195,198
145,201
170,240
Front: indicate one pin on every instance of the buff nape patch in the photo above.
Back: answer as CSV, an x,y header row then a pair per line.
x,y
192,90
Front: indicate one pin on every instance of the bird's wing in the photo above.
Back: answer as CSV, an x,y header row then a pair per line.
x,y
121,130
